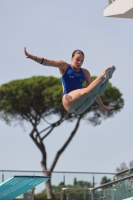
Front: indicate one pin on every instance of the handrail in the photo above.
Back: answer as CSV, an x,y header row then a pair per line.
x,y
111,183
123,172
111,173
75,189
101,186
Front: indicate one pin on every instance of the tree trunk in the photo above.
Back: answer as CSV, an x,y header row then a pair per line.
x,y
49,191
48,185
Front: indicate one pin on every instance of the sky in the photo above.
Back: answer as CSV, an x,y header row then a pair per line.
x,y
54,29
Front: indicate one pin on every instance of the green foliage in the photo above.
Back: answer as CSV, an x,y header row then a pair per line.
x,y
84,184
57,189
37,97
105,180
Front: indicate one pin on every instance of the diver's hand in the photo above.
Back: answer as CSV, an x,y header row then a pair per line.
x,y
26,53
107,108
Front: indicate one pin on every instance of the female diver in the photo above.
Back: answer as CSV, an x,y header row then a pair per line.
x,y
75,98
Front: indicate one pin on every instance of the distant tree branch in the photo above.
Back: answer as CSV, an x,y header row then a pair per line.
x,y
33,138
52,127
47,121
47,133
45,129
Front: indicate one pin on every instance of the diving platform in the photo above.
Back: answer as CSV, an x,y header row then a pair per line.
x,y
18,185
119,9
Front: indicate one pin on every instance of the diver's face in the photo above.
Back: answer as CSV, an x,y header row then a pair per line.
x,y
77,61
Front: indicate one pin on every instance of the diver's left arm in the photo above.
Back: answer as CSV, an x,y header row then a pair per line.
x,y
103,107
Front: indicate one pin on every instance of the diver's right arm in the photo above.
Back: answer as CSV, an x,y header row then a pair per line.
x,y
53,63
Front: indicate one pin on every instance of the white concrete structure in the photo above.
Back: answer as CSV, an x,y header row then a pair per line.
x,y
119,8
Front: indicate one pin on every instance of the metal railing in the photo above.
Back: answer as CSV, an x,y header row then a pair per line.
x,y
62,178
117,189
127,172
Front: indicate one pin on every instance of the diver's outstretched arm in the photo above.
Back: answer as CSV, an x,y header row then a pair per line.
x,y
53,63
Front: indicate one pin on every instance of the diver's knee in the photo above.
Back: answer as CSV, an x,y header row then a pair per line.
x,y
84,92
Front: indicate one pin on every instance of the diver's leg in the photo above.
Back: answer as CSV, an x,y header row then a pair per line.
x,y
89,101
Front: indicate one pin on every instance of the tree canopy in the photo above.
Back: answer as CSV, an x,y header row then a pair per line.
x,y
37,97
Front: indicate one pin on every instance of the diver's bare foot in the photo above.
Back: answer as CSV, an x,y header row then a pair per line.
x,y
112,71
107,73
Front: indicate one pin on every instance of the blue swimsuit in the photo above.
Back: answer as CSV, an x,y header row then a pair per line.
x,y
72,80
